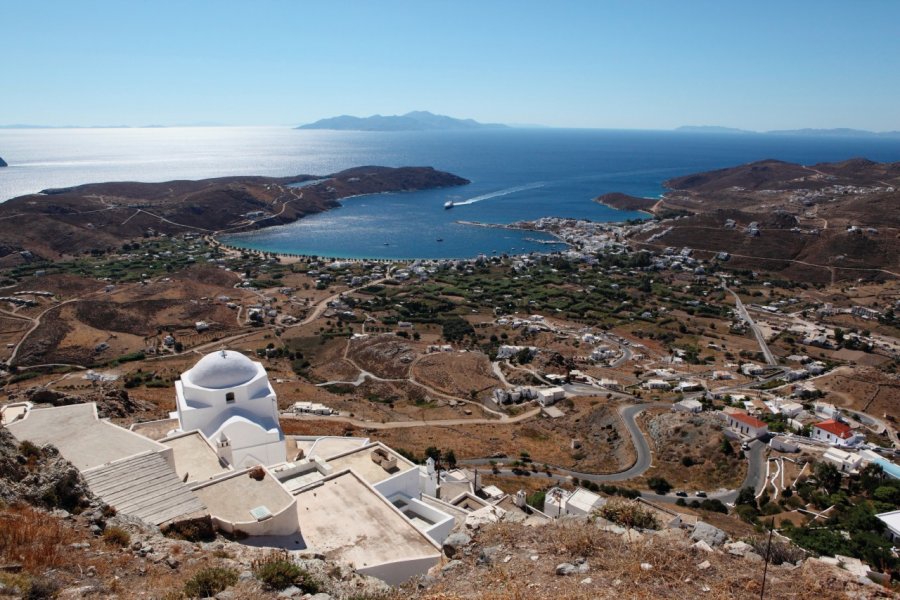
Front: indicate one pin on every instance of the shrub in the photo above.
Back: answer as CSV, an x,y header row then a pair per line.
x,y
42,588
209,582
659,485
628,514
277,572
687,461
116,536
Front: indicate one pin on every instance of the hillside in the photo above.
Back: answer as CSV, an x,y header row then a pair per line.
x,y
412,121
816,223
625,202
98,216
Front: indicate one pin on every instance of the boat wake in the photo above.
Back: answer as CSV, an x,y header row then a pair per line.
x,y
499,193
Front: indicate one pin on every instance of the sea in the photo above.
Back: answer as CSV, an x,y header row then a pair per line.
x,y
516,174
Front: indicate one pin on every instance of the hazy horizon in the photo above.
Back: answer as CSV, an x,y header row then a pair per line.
x,y
646,64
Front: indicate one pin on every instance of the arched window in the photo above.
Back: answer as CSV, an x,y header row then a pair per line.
x,y
229,397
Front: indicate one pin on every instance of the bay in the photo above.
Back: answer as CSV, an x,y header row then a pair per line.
x,y
516,174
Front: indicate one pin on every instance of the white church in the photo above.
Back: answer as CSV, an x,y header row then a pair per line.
x,y
228,397
222,455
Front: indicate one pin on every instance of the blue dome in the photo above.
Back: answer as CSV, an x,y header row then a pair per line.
x,y
223,369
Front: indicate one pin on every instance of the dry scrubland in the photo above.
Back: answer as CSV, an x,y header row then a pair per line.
x,y
500,565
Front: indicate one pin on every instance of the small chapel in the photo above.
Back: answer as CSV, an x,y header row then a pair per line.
x,y
228,397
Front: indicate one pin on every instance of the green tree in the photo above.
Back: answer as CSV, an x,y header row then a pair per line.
x,y
659,485
828,477
870,477
746,496
450,458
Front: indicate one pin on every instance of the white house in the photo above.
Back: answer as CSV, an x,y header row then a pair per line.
x,y
790,409
845,461
229,399
581,502
892,521
656,384
746,425
836,433
690,406
549,396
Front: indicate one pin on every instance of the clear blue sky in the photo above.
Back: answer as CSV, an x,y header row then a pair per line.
x,y
628,64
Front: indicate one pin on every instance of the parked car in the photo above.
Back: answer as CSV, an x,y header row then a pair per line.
x,y
681,494
700,494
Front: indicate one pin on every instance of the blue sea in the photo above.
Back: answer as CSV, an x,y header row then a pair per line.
x,y
516,174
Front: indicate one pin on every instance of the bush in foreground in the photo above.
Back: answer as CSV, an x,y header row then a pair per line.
x,y
209,582
277,572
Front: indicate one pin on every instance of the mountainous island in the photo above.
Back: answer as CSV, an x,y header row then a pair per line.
x,y
412,121
70,221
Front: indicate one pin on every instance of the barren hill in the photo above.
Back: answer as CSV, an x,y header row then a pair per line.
x,y
75,220
817,223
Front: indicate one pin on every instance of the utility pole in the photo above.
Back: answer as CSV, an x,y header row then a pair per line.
x,y
762,591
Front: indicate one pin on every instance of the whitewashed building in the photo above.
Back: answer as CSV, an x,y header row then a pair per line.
x,y
229,399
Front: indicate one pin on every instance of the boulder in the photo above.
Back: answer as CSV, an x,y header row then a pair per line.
x,y
454,543
738,548
704,532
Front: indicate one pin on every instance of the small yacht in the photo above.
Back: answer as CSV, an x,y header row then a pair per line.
x,y
448,204
440,239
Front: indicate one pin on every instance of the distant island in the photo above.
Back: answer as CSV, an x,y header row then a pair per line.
x,y
413,121
840,131
3,162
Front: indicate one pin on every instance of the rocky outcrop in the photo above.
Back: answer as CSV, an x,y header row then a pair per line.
x,y
39,476
111,403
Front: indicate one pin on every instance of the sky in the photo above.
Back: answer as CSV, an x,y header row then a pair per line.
x,y
632,64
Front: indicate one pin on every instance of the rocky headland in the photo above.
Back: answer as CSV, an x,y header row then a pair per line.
x,y
70,221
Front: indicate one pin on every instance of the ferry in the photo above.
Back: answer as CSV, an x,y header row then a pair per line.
x,y
448,204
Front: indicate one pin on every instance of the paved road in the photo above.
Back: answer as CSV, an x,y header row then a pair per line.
x,y
642,462
742,310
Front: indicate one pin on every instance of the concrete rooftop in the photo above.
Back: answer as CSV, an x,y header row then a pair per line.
x,y
80,436
360,461
194,457
346,519
232,498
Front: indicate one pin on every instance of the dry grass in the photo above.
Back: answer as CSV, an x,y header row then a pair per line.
x,y
616,572
28,538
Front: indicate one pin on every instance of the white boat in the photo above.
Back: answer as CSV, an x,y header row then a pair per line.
x,y
448,204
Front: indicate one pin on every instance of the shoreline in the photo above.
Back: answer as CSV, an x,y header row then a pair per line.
x,y
297,256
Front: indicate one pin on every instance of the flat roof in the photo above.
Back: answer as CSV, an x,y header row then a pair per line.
x,y
346,519
585,500
232,498
194,457
332,446
360,461
892,520
81,437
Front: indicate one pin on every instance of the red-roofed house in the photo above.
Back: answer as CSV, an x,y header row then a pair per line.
x,y
746,425
836,433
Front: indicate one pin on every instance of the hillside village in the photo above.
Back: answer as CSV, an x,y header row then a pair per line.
x,y
425,424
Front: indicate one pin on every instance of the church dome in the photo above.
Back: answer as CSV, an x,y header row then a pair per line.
x,y
223,369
